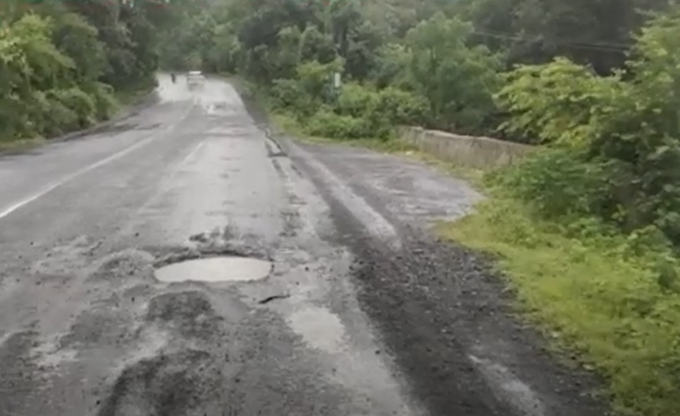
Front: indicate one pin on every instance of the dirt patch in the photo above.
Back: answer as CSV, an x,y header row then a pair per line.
x,y
21,380
97,327
120,267
178,384
189,312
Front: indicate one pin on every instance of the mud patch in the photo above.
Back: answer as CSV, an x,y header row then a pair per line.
x,y
215,269
62,259
190,313
122,265
178,384
97,327
20,378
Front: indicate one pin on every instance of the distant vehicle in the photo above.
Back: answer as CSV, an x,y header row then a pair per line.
x,y
195,79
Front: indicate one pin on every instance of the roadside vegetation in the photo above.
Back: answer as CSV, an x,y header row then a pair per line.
x,y
587,229
67,64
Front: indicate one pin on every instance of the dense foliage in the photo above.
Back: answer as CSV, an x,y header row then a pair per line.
x,y
63,64
400,61
621,133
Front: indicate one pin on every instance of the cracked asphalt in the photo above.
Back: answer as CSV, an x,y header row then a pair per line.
x,y
362,313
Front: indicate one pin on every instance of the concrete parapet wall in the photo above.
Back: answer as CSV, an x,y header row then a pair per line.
x,y
469,151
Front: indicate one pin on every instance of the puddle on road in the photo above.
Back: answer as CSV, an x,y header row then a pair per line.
x,y
319,327
215,269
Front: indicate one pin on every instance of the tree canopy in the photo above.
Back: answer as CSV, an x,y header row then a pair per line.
x,y
65,62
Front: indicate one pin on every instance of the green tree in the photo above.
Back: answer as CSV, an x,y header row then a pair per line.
x,y
61,62
458,81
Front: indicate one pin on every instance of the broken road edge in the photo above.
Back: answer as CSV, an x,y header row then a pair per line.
x,y
558,354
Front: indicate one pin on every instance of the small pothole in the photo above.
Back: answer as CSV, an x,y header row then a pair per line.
x,y
215,269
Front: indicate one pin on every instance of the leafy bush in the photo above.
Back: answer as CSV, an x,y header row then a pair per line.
x,y
381,111
288,95
458,81
55,116
393,60
559,182
316,46
315,78
361,111
402,107
630,121
77,101
30,64
325,123
560,102
285,93
356,101
105,102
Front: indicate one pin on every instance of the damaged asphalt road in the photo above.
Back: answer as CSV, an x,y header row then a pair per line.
x,y
180,263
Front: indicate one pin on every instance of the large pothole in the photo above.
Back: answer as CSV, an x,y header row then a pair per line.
x,y
215,269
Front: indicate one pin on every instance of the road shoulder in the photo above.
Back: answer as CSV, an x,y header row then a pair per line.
x,y
443,310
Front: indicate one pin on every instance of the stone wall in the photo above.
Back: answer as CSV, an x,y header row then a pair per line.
x,y
469,151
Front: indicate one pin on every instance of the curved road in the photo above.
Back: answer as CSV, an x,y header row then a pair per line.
x,y
361,312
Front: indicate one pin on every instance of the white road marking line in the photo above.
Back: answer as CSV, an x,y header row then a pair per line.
x,y
160,190
68,178
191,154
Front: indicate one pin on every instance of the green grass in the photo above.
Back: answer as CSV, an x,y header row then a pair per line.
x,y
594,295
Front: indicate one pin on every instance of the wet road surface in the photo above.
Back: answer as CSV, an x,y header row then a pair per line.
x,y
184,262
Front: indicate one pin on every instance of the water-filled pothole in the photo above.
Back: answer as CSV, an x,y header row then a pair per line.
x,y
215,269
